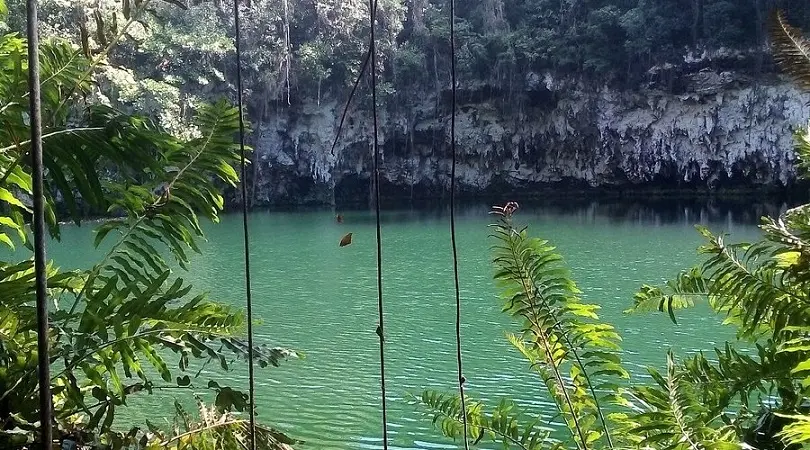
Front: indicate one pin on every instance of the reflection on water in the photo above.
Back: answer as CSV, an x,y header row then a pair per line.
x,y
654,211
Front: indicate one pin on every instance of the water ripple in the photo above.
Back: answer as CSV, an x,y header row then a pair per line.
x,y
318,298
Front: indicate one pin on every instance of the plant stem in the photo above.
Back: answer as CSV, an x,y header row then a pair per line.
x,y
539,334
51,134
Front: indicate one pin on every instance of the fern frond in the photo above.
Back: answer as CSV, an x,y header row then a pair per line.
x,y
733,377
573,353
215,430
749,285
797,432
760,287
680,293
671,415
133,307
801,147
681,404
504,424
791,49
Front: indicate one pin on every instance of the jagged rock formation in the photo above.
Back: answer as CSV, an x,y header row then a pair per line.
x,y
722,130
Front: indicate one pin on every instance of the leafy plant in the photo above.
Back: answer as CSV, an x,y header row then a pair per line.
x,y
673,415
575,355
120,327
761,288
214,430
790,48
561,337
504,424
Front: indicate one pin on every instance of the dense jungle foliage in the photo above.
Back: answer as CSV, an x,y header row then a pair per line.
x,y
298,50
130,325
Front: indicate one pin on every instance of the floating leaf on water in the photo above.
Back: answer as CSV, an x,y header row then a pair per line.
x,y
346,240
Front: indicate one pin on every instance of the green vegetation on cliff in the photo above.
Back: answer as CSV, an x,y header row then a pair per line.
x,y
297,49
120,324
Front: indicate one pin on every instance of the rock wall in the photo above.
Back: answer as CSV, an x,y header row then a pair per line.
x,y
721,131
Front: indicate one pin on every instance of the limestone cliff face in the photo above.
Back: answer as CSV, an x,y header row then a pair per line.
x,y
720,131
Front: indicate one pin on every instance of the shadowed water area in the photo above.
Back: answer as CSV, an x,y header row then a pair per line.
x,y
320,299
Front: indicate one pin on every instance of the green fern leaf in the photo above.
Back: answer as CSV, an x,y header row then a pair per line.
x,y
791,49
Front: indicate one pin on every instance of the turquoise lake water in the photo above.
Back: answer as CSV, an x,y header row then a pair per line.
x,y
320,299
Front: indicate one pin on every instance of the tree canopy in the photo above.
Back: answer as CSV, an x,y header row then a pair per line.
x,y
306,49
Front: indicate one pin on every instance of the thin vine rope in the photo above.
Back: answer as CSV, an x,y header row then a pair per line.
x,y
459,363
243,166
381,324
38,219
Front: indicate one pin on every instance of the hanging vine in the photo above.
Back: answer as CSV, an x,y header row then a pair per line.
x,y
245,233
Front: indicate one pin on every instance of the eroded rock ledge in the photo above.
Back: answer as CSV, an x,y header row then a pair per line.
x,y
721,131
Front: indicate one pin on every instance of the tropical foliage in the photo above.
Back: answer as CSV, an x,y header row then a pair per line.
x,y
561,338
306,50
578,360
130,324
695,403
753,391
213,430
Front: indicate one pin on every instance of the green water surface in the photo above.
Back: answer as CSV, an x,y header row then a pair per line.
x,y
320,299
